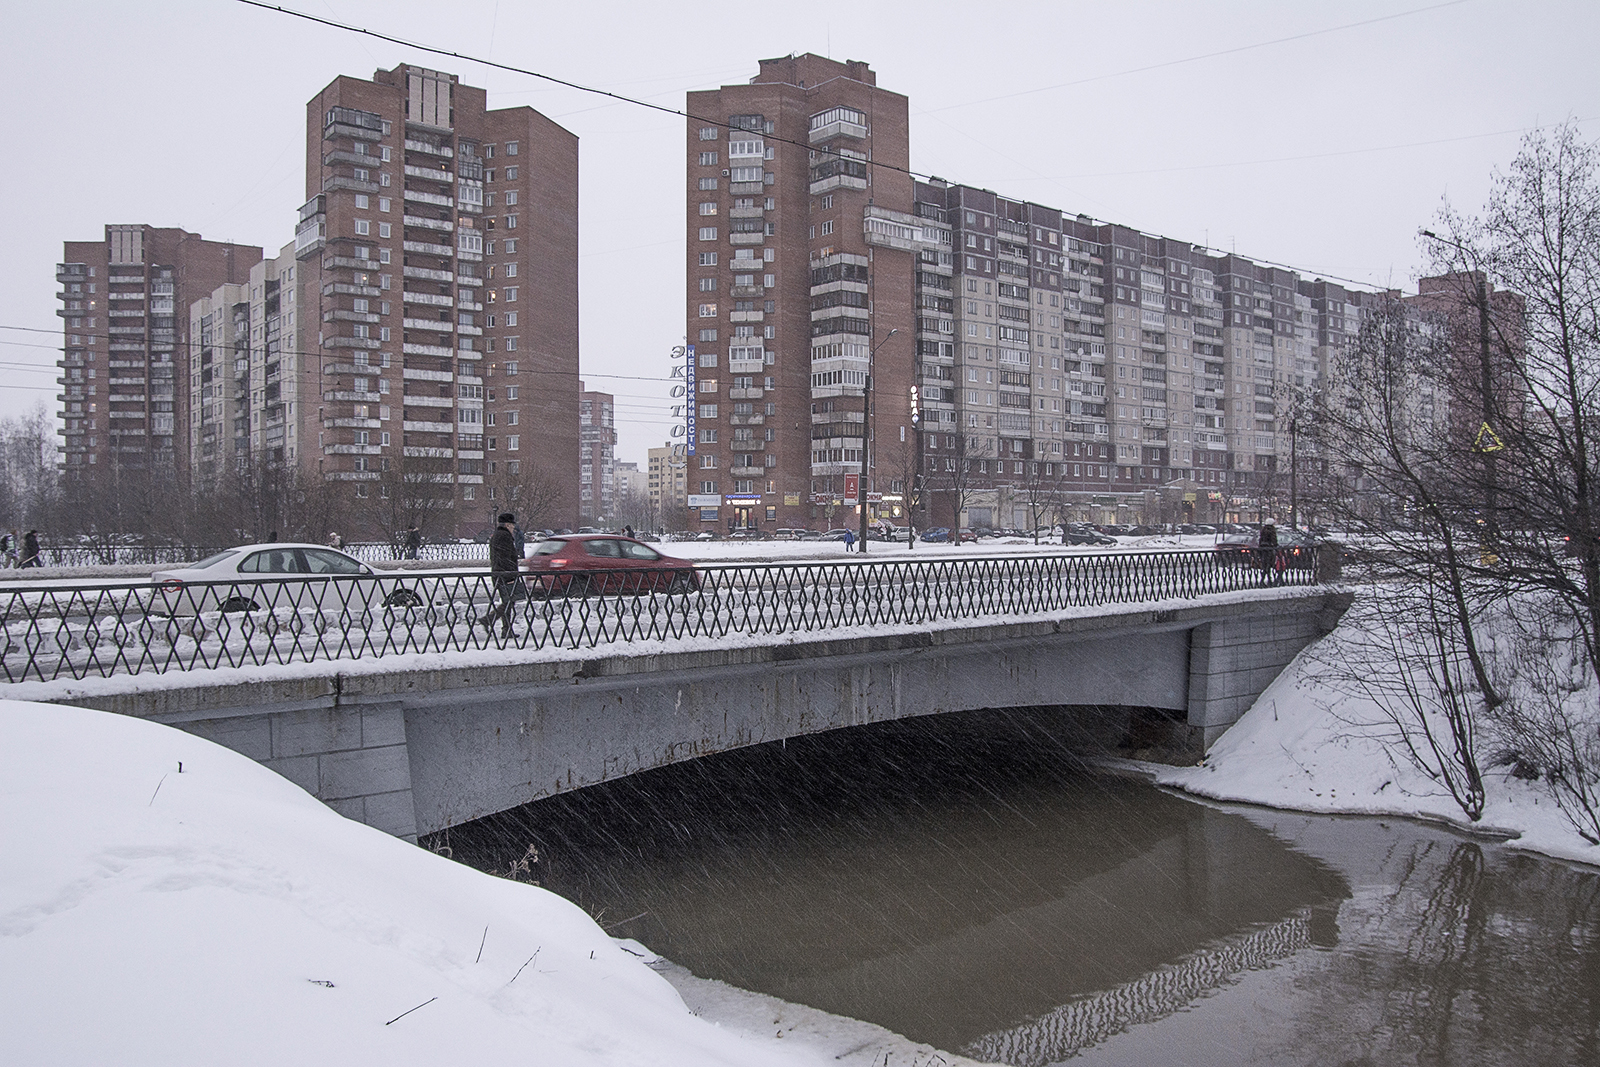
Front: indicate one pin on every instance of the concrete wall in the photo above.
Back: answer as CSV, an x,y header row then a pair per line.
x,y
413,751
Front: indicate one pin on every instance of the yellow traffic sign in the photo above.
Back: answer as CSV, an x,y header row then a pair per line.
x,y
1487,440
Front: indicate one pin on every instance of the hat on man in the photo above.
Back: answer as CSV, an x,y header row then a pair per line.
x,y
506,516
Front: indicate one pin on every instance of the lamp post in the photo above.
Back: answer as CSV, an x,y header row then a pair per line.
x,y
914,484
866,436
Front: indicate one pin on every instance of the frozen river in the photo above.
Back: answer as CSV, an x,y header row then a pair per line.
x,y
965,883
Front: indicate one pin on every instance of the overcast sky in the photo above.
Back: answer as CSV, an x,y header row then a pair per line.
x,y
1320,136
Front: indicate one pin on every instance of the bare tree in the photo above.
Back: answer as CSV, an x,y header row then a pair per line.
x,y
413,488
959,475
527,489
1040,489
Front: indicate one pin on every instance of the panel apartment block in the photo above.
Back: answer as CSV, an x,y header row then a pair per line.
x,y
127,345
438,249
800,258
597,458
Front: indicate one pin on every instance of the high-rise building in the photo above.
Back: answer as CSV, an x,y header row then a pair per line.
x,y
799,279
597,458
667,481
252,397
438,298
128,347
1061,365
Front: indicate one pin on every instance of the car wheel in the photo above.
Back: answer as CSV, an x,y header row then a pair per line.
x,y
680,584
402,598
240,603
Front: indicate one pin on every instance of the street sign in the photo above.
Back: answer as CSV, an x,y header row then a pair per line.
x,y
874,498
852,487
1487,440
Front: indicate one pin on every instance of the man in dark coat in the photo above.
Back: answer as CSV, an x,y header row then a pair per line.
x,y
503,566
1267,550
413,541
30,550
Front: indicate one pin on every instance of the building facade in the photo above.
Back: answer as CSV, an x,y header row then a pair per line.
x,y
438,296
667,485
597,456
1027,363
128,347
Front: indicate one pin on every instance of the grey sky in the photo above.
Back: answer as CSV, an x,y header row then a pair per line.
x,y
1325,152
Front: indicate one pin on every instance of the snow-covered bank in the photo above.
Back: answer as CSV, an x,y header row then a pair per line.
x,y
1307,746
166,900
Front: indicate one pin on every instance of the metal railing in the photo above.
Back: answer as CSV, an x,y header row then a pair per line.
x,y
82,630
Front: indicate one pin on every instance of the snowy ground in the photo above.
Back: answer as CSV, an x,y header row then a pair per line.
x,y
1307,744
168,901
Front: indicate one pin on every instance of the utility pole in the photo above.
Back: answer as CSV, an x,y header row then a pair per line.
x,y
866,436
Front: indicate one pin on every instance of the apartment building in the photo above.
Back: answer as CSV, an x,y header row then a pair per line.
x,y
1018,352
252,397
128,344
667,484
597,455
799,288
438,305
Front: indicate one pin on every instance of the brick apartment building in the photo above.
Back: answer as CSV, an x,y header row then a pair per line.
x,y
438,294
597,457
127,345
1120,374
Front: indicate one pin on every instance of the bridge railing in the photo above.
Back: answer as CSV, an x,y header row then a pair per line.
x,y
80,630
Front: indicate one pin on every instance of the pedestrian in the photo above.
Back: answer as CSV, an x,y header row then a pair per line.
x,y
521,540
503,569
30,550
849,540
335,541
8,545
1267,550
413,541
628,530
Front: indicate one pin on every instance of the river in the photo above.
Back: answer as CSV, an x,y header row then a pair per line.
x,y
968,882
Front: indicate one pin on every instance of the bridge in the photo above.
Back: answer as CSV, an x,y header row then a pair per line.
x,y
414,720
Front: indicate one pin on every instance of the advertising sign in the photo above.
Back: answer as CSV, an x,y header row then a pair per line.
x,y
688,400
852,487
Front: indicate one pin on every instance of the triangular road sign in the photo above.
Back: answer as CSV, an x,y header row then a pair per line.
x,y
1487,440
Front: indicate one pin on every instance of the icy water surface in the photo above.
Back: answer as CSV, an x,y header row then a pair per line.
x,y
966,882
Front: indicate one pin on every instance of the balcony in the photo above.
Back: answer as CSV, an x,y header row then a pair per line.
x,y
746,316
345,288
354,185
837,181
427,350
419,196
72,272
419,222
429,149
354,424
428,324
746,290
341,315
351,342
837,128
354,158
429,273
747,472
431,173
350,396
349,263
746,213
423,246
746,238
744,394
409,297
470,331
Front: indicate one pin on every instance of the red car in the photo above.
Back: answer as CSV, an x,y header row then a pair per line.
x,y
581,564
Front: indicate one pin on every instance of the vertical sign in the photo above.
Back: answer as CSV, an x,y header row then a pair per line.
x,y
852,488
688,400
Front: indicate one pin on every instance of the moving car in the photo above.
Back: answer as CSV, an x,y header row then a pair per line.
x,y
279,574
1296,549
582,564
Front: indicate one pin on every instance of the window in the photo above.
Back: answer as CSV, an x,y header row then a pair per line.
x,y
511,172
708,233
708,462
513,442
511,150
511,294
383,203
708,488
708,207
827,201
362,202
708,185
511,222
707,335
708,411
384,229
511,270
511,319
827,227
511,197
708,133
708,259
708,311
363,227
708,159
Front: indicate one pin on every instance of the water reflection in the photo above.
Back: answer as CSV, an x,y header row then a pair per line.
x,y
963,881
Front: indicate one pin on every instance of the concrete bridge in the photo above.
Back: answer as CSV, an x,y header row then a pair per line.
x,y
414,750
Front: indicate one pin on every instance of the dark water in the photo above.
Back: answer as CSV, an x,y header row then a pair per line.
x,y
967,882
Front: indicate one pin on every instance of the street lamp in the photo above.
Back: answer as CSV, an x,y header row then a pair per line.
x,y
866,436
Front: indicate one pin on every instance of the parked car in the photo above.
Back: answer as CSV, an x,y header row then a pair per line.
x,y
584,564
937,535
1086,537
253,577
837,534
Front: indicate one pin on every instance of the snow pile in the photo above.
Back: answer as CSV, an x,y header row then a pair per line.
x,y
222,915
1310,744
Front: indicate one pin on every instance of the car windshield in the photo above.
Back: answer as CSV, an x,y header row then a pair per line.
x,y
638,551
212,561
327,561
550,547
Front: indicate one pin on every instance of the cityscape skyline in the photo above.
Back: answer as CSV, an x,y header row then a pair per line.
x,y
630,362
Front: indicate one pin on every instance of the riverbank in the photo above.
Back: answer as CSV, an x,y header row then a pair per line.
x,y
1309,744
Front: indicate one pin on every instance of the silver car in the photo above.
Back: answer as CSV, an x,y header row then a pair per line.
x,y
282,574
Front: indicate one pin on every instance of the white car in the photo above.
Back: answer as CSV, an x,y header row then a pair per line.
x,y
282,574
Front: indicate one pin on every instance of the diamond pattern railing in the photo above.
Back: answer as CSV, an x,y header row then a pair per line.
x,y
82,630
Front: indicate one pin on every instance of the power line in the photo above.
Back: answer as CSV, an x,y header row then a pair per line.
x,y
430,49
1194,59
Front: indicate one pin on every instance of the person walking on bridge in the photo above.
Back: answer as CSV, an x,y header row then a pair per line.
x,y
30,550
503,567
1267,551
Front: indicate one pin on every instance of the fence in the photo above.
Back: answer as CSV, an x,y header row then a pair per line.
x,y
81,630
109,555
